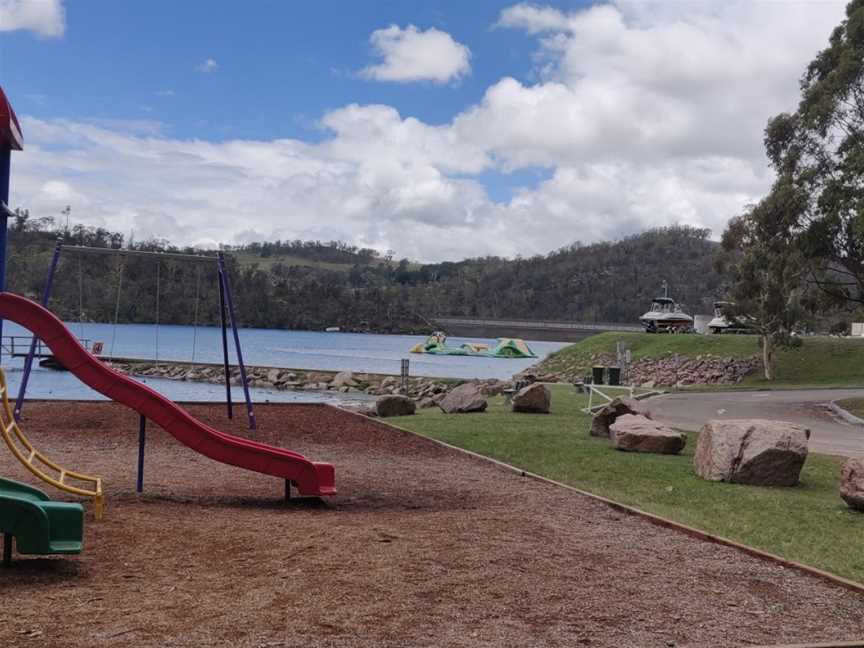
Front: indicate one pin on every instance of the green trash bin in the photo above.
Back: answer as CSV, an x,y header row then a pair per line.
x,y
614,375
597,375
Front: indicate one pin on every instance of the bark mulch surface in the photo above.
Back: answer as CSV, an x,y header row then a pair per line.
x,y
423,546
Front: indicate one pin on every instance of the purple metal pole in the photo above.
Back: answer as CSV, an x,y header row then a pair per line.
x,y
229,301
228,402
28,363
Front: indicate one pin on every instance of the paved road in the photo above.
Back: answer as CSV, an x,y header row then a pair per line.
x,y
829,433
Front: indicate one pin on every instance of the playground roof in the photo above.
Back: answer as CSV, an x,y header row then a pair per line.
x,y
10,130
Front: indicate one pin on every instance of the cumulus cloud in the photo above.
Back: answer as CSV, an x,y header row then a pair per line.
x,y
198,192
532,18
640,114
45,17
413,55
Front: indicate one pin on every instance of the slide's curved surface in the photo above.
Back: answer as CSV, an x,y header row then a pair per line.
x,y
310,478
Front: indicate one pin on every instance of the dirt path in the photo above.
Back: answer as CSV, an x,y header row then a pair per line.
x,y
423,547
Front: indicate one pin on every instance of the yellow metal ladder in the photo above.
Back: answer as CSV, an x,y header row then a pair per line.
x,y
38,464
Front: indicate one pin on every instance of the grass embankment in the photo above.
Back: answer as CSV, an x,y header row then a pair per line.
x,y
818,362
808,523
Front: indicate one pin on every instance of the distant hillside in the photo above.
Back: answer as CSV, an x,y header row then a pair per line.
x,y
311,285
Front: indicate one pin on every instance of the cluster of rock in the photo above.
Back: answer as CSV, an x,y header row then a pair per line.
x,y
427,391
466,398
681,370
757,452
668,370
629,426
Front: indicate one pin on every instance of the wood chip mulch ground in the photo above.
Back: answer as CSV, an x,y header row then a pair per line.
x,y
423,546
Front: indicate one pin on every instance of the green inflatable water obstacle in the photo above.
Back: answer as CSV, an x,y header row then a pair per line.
x,y
436,344
39,525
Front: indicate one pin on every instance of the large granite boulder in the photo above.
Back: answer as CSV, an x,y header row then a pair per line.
x,y
635,433
395,405
852,483
462,399
608,414
534,399
751,451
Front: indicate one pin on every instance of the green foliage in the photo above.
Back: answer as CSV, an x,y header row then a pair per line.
x,y
808,523
767,269
311,285
818,153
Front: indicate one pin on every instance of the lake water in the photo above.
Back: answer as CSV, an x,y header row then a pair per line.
x,y
261,347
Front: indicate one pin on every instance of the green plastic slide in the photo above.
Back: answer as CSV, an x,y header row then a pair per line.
x,y
39,525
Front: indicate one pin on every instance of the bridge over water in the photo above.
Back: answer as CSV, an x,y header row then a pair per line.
x,y
557,331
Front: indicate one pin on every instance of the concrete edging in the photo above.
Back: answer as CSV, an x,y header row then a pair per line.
x,y
845,415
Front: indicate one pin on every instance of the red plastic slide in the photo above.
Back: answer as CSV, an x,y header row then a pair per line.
x,y
309,477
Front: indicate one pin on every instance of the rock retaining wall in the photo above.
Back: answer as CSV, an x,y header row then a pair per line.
x,y
665,371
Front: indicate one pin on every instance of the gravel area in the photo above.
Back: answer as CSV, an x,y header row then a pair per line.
x,y
423,546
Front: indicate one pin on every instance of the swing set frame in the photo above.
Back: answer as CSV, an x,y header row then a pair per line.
x,y
227,314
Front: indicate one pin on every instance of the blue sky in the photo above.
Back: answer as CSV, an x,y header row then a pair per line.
x,y
437,129
280,64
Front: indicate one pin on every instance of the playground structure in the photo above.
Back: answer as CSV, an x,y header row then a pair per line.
x,y
38,464
39,525
226,311
310,478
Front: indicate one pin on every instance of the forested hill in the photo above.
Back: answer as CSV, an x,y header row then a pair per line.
x,y
311,285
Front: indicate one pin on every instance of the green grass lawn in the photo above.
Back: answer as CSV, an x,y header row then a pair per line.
x,y
853,406
818,362
808,523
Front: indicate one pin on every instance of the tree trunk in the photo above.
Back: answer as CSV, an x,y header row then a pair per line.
x,y
766,357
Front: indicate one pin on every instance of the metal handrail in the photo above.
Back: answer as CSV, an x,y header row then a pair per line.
x,y
8,344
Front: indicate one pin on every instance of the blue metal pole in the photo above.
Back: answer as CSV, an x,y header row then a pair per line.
x,y
230,303
28,363
142,438
5,169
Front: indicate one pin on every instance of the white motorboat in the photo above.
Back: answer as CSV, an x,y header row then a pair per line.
x,y
665,316
723,323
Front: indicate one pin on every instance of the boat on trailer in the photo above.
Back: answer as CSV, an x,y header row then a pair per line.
x,y
725,323
666,316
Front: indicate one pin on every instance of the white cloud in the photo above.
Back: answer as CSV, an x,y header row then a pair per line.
x,y
532,18
45,17
209,65
165,93
644,114
413,55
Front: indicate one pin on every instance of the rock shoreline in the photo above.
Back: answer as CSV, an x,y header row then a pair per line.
x,y
426,391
